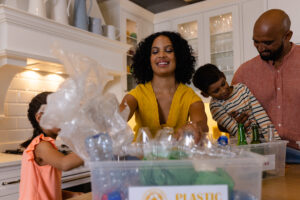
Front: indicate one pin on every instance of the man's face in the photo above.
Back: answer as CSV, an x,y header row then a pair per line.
x,y
269,44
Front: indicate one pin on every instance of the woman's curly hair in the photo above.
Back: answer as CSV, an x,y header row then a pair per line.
x,y
185,61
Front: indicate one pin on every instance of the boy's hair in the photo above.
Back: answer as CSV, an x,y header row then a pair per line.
x,y
33,108
206,75
185,61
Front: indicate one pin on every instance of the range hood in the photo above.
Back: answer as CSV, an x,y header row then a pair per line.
x,y
26,39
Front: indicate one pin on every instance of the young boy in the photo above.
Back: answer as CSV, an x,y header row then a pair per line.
x,y
227,100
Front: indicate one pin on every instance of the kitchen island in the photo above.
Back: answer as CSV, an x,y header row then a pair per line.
x,y
279,188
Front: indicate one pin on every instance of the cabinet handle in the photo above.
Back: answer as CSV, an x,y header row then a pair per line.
x,y
11,182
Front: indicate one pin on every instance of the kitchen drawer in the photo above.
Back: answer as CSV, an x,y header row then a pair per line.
x,y
10,190
10,197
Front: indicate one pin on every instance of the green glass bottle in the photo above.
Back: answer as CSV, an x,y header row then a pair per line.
x,y
255,135
241,135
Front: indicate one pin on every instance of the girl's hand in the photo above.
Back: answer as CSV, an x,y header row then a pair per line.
x,y
46,154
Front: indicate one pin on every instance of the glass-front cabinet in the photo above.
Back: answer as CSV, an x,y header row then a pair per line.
x,y
190,29
131,39
222,39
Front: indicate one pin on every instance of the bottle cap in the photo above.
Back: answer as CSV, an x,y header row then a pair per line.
x,y
223,140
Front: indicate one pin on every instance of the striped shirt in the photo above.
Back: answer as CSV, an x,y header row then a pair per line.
x,y
240,100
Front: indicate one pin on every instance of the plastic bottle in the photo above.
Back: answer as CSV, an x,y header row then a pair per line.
x,y
241,135
270,133
99,147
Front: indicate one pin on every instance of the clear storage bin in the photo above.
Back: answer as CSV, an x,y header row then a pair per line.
x,y
241,175
274,154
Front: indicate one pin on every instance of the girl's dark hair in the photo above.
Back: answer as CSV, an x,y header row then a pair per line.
x,y
205,76
185,61
33,108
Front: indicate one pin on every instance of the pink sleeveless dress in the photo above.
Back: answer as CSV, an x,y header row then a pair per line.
x,y
39,182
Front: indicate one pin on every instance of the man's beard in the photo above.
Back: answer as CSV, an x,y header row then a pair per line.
x,y
273,55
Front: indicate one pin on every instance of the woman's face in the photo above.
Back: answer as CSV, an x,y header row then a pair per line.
x,y
162,57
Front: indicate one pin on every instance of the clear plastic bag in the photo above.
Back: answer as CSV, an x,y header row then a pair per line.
x,y
81,108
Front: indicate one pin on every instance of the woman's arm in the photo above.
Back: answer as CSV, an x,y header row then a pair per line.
x,y
198,116
198,121
46,154
132,104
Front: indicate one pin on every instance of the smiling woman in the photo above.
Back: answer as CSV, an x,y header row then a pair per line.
x,y
162,65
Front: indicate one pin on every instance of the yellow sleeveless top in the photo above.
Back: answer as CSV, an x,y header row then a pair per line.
x,y
147,114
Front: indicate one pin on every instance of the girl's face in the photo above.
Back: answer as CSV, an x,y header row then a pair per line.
x,y
220,90
162,57
49,132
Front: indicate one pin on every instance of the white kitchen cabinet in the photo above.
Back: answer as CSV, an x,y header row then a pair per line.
x,y
134,23
228,49
191,28
222,39
250,10
10,179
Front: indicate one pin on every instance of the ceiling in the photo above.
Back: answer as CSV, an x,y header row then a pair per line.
x,y
157,6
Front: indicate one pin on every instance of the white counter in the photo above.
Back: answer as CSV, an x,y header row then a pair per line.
x,y
9,159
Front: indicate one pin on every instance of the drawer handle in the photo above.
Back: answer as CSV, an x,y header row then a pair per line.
x,y
11,182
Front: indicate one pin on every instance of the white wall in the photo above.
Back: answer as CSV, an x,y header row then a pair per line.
x,y
291,7
15,127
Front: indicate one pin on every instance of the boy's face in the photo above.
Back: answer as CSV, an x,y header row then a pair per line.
x,y
219,90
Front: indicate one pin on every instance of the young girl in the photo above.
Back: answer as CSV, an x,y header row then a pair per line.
x,y
42,163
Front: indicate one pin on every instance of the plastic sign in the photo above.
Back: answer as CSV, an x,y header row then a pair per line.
x,y
193,192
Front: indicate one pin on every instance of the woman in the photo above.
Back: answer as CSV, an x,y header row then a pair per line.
x,y
162,65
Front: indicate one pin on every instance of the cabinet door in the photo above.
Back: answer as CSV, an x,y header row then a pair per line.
x,y
130,34
251,10
222,43
191,29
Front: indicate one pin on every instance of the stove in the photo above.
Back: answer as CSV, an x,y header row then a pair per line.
x,y
18,151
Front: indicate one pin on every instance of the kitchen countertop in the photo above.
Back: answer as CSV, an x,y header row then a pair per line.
x,y
9,159
278,188
284,187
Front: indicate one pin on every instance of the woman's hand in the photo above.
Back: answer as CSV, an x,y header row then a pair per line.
x,y
190,127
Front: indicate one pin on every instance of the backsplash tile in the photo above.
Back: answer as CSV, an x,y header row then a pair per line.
x,y
11,97
14,109
8,123
15,127
23,123
25,96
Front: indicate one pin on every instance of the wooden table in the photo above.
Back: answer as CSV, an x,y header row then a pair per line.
x,y
280,188
285,187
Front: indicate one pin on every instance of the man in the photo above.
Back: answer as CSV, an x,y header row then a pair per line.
x,y
274,76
